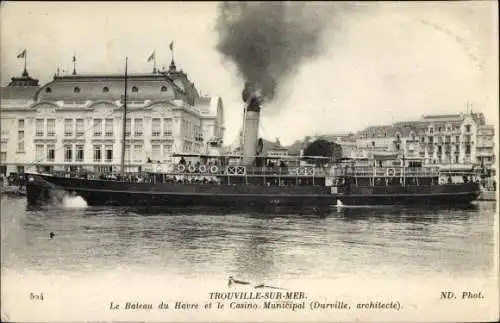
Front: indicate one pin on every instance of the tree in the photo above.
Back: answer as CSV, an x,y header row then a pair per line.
x,y
323,148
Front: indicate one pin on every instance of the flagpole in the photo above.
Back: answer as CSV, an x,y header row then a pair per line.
x,y
172,50
124,125
25,57
74,64
154,63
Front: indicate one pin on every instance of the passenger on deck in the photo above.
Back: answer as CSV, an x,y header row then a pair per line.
x,y
182,161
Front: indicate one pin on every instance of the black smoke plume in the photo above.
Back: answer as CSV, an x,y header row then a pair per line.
x,y
268,40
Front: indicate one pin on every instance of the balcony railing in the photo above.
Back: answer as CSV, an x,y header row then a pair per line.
x,y
483,153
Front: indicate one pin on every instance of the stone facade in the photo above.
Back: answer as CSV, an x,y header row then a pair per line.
x,y
485,148
436,139
452,139
76,120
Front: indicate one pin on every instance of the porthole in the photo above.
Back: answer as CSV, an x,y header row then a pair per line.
x,y
135,89
76,89
164,89
48,90
105,89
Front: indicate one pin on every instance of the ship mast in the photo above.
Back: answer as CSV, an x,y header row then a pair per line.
x,y
124,126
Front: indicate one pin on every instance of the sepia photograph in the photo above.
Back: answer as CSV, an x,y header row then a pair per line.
x,y
249,161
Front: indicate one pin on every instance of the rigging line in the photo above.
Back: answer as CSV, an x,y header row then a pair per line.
x,y
129,146
36,161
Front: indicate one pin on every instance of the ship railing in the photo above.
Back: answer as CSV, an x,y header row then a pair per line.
x,y
142,177
302,171
205,171
239,170
388,171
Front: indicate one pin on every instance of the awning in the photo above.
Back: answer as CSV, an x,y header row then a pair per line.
x,y
385,156
458,167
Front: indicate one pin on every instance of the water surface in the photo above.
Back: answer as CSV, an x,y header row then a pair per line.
x,y
281,245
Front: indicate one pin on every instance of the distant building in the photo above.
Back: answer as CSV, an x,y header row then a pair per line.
x,y
75,121
437,139
269,148
450,139
485,147
274,149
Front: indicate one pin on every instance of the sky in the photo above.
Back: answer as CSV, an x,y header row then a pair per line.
x,y
379,62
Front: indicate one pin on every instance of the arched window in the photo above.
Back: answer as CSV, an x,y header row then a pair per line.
x,y
164,88
48,90
105,89
135,89
76,89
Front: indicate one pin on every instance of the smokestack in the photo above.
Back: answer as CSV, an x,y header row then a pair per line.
x,y
252,98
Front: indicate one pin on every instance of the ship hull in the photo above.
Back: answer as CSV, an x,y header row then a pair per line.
x,y
45,188
410,199
445,194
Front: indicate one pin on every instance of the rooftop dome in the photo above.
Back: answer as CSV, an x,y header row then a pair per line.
x,y
111,87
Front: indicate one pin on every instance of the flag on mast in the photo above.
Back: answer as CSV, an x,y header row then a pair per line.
x,y
22,54
74,64
151,57
171,46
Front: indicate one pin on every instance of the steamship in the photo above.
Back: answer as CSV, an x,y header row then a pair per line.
x,y
252,179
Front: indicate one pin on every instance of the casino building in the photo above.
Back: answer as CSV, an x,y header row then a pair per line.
x,y
75,121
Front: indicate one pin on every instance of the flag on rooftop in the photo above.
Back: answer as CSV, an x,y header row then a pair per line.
x,y
22,54
151,57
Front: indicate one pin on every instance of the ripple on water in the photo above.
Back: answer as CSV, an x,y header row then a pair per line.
x,y
251,244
